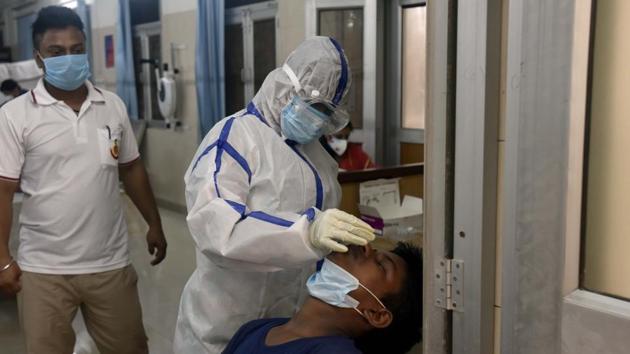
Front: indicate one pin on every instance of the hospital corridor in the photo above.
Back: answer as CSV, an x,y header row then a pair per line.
x,y
314,177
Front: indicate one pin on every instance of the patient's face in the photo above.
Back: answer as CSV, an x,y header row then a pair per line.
x,y
381,272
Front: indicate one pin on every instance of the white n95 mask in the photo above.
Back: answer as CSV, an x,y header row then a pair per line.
x,y
339,146
332,284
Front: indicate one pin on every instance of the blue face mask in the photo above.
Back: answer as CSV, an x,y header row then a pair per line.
x,y
67,72
332,284
301,123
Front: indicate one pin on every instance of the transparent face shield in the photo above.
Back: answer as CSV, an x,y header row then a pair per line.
x,y
315,111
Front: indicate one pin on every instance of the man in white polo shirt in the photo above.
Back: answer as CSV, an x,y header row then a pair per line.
x,y
68,143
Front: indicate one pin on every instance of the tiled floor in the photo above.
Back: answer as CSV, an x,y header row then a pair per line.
x,y
160,287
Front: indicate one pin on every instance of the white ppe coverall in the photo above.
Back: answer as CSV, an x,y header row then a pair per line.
x,y
251,196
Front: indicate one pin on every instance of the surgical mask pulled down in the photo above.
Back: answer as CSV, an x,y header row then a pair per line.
x,y
67,72
332,284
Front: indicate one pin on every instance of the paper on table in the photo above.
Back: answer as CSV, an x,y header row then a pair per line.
x,y
381,192
412,203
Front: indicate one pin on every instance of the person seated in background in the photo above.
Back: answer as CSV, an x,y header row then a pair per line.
x,y
11,88
350,156
363,301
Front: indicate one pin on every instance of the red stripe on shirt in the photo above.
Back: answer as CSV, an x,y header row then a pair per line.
x,y
10,179
129,162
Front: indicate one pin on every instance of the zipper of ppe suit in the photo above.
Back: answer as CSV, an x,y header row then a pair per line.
x,y
319,190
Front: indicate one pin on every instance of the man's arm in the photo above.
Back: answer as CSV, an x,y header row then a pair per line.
x,y
9,277
136,182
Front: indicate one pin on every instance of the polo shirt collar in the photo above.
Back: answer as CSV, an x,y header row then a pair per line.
x,y
40,95
94,93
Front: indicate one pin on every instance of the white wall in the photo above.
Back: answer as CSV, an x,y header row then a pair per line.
x,y
104,13
175,6
291,28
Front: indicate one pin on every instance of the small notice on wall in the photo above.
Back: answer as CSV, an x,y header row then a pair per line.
x,y
109,51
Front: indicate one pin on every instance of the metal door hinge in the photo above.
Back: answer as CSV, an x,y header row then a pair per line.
x,y
448,280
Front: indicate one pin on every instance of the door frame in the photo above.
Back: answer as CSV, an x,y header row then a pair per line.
x,y
246,15
143,32
585,313
438,179
542,123
477,112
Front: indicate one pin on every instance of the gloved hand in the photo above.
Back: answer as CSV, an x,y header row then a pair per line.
x,y
333,228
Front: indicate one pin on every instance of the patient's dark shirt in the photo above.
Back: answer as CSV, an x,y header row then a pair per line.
x,y
250,339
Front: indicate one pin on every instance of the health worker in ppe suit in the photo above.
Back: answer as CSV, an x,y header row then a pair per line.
x,y
259,192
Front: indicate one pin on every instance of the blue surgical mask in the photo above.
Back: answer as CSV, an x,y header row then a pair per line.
x,y
67,72
301,124
332,284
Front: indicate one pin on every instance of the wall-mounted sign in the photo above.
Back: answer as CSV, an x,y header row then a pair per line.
x,y
109,51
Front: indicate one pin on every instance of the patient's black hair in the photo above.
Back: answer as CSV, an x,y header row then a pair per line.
x,y
406,306
54,17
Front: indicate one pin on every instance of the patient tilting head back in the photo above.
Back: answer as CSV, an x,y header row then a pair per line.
x,y
406,306
362,301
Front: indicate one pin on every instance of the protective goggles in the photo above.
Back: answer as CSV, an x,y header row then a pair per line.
x,y
315,109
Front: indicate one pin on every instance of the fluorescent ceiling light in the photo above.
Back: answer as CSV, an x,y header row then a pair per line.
x,y
69,4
